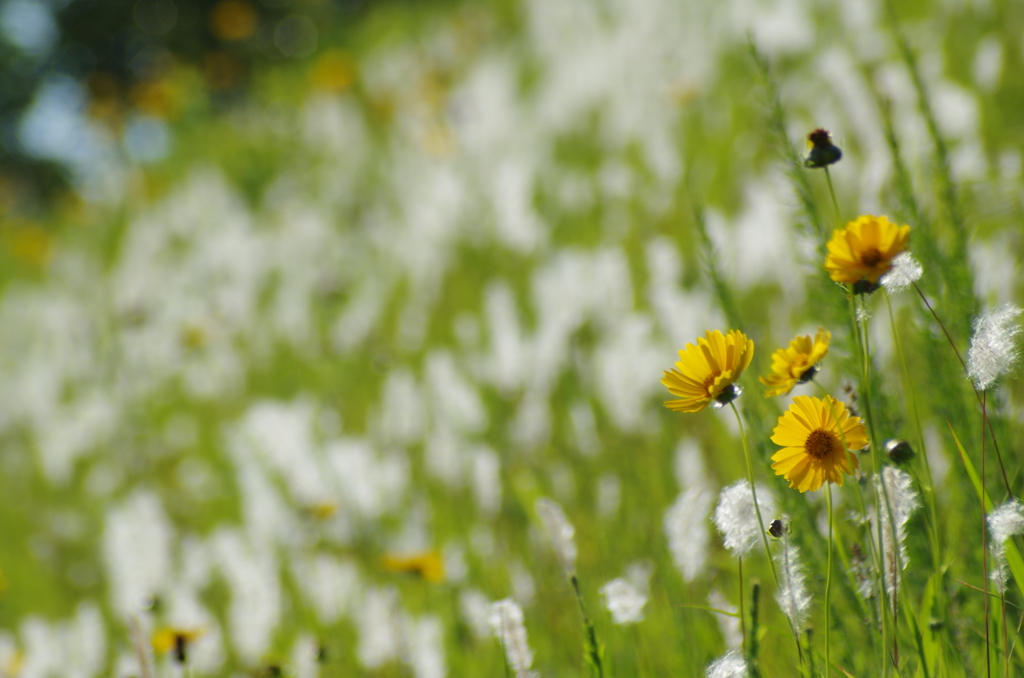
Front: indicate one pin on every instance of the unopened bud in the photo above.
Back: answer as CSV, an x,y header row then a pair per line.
x,y
899,451
822,152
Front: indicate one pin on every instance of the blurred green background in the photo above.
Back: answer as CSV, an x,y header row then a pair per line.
x,y
291,286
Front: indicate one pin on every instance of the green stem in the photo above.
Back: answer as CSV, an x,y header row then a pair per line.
x,y
828,584
832,192
753,493
879,546
929,486
876,460
743,619
760,521
593,651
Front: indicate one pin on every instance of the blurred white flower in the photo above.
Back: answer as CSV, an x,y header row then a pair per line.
x,y
729,626
625,601
687,531
561,532
507,622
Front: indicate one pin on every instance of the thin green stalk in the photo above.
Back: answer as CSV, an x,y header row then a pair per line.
x,y
828,584
832,192
977,394
755,647
760,521
743,618
640,658
778,126
753,492
876,461
929,487
1006,644
984,544
593,649
879,546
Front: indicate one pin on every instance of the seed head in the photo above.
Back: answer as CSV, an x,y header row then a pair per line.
x,y
736,518
993,349
905,272
730,665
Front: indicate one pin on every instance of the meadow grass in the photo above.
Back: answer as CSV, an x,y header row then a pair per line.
x,y
296,395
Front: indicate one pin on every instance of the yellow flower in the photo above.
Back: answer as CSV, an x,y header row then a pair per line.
x,y
175,640
427,564
864,250
812,433
796,364
706,373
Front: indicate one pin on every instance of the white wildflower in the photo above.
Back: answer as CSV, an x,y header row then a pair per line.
x,y
793,597
993,347
561,532
730,665
1004,522
905,271
624,600
736,518
687,531
899,496
727,624
507,622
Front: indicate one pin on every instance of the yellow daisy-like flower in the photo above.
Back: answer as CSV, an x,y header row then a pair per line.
x,y
812,433
427,564
707,373
864,250
797,364
175,641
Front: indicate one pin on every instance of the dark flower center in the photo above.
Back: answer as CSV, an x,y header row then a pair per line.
x,y
819,444
871,258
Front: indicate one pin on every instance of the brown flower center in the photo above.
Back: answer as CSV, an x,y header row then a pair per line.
x,y
709,381
871,258
819,444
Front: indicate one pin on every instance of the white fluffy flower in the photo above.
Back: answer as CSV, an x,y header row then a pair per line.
x,y
561,532
624,600
686,528
993,349
905,272
507,621
730,665
736,518
792,595
1004,522
899,496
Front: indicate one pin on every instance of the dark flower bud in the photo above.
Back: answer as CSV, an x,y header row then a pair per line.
x,y
899,451
822,152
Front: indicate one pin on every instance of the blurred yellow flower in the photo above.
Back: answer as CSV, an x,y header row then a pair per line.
x,y
706,373
170,639
864,250
796,364
233,20
812,433
426,564
322,510
334,71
